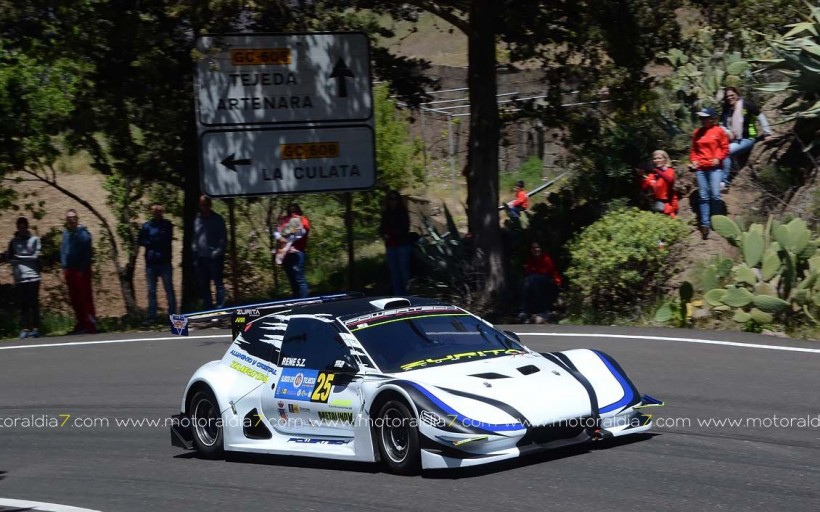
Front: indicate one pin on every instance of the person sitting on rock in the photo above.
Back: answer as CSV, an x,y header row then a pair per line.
x,y
660,182
542,283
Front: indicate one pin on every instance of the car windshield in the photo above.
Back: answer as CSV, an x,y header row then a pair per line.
x,y
403,342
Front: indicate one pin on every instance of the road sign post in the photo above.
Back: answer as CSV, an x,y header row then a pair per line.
x,y
284,113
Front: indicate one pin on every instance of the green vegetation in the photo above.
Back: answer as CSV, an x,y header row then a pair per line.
x,y
88,83
777,278
618,260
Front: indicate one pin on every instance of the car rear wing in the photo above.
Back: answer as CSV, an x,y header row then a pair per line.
x,y
240,316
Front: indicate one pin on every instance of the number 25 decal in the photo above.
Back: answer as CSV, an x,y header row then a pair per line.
x,y
322,390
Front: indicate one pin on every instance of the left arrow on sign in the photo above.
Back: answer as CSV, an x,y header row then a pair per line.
x,y
231,162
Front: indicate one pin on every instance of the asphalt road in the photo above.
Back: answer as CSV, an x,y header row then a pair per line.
x,y
769,464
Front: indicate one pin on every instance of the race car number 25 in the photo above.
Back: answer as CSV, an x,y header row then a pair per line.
x,y
321,392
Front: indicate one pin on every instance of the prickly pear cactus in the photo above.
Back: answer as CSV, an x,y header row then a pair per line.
x,y
778,278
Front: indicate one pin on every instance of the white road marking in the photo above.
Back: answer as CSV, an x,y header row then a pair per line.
x,y
36,505
665,338
103,342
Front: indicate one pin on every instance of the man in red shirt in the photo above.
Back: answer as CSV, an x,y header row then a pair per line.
x,y
520,203
710,145
541,284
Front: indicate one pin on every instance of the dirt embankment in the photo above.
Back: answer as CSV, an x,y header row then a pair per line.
x,y
107,295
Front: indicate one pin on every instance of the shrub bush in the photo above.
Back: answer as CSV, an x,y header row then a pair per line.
x,y
617,260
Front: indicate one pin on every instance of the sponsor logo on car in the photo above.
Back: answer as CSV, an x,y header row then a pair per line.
x,y
331,416
432,419
296,384
310,440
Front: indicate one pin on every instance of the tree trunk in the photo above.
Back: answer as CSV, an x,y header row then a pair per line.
x,y
482,157
234,263
351,269
190,207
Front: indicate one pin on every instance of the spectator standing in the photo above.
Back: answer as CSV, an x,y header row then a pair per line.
x,y
710,145
292,235
660,181
208,246
156,236
75,257
24,255
394,229
521,201
740,117
542,283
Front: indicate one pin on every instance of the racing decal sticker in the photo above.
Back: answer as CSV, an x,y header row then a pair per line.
x,y
381,317
454,358
334,417
341,404
250,372
261,365
280,407
179,325
310,440
293,361
296,384
321,392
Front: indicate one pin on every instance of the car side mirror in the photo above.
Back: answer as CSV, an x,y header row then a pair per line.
x,y
345,365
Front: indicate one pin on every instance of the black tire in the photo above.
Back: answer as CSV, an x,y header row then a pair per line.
x,y
398,438
206,425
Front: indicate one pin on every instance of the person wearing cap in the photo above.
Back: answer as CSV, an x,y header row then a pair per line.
x,y
741,117
710,145
521,201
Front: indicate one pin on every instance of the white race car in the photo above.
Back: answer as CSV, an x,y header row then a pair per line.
x,y
412,382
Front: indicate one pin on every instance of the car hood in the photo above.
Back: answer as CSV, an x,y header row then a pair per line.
x,y
538,389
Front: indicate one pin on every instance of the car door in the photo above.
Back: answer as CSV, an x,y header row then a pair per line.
x,y
317,393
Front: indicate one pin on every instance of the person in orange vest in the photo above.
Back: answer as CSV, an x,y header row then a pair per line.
x,y
660,181
520,203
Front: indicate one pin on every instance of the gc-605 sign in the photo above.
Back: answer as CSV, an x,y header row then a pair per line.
x,y
284,78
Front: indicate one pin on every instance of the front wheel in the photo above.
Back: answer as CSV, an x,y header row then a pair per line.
x,y
398,438
206,424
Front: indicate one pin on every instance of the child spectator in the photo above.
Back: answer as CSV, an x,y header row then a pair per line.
x,y
520,203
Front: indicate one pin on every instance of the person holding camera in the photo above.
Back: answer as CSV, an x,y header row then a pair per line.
x,y
660,182
24,255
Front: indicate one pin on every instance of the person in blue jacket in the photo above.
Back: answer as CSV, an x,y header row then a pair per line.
x,y
156,236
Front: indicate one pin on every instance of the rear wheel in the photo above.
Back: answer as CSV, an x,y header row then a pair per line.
x,y
398,438
206,424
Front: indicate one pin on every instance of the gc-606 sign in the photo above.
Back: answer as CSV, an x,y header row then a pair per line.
x,y
282,160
